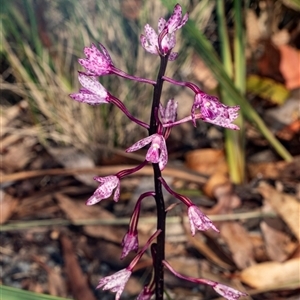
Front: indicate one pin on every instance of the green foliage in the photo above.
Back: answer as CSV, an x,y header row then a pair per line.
x,y
9,293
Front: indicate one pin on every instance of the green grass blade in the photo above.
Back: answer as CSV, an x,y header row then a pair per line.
x,y
234,144
10,293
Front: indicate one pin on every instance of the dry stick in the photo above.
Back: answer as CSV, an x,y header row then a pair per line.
x,y
102,171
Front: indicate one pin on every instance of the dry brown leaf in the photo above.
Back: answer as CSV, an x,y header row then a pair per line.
x,y
273,275
266,169
76,210
7,205
227,199
278,244
206,251
213,182
239,243
70,157
17,156
287,206
290,66
56,283
77,280
207,161
259,248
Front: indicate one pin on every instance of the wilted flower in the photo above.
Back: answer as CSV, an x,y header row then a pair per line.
x,y
97,62
215,112
92,93
105,189
157,153
165,41
115,282
228,292
198,220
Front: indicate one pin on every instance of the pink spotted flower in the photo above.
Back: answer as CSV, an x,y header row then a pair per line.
x,y
115,282
107,185
198,220
163,42
157,153
92,91
213,111
97,62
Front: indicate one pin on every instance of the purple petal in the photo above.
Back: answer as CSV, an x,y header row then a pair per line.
x,y
140,144
153,152
105,189
163,159
228,292
175,19
116,282
149,41
173,56
215,112
161,24
106,54
88,98
92,85
198,220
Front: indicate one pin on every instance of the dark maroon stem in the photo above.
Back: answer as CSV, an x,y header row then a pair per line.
x,y
190,85
120,73
123,108
160,205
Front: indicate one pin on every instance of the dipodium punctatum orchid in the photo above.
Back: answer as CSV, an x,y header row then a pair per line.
x,y
198,220
157,153
92,93
162,119
215,112
105,189
97,62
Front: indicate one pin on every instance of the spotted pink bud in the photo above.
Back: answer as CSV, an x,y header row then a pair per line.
x,y
130,243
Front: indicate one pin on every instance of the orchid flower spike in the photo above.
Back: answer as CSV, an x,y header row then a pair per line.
x,y
213,111
92,93
157,153
105,189
97,62
163,42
